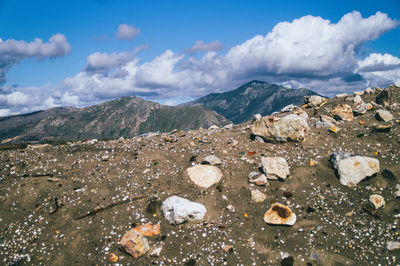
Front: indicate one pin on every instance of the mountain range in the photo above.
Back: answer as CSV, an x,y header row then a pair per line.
x,y
130,116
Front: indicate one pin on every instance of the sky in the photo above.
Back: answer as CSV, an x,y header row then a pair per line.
x,y
80,53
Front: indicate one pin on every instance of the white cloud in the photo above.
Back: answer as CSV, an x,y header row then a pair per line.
x,y
309,52
127,32
103,61
378,62
200,46
309,46
13,51
15,98
5,112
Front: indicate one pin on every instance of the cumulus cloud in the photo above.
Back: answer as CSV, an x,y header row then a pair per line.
x,y
200,46
13,51
127,32
380,69
378,62
102,62
15,98
308,52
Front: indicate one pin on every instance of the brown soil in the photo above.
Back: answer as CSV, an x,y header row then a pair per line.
x,y
335,225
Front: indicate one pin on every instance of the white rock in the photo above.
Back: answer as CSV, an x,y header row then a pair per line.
x,y
392,245
257,196
230,126
397,193
157,250
212,159
289,108
178,210
353,168
213,127
230,208
377,200
357,99
204,175
384,115
257,116
275,167
313,100
341,95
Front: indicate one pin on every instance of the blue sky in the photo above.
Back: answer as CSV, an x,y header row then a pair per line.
x,y
171,51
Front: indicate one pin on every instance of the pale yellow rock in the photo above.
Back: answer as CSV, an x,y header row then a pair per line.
x,y
204,175
377,200
257,196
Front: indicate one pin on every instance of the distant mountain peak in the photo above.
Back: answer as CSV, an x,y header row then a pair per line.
x,y
239,105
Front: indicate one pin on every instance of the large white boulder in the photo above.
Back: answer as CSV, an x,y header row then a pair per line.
x,y
178,210
353,168
288,128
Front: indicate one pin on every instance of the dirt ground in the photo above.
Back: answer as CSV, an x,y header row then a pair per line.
x,y
45,188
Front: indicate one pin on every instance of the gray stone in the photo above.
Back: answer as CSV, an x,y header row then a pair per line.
x,y
275,167
353,168
178,210
204,175
320,124
383,98
291,127
384,116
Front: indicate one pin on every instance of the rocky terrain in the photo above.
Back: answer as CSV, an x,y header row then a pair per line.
x,y
254,97
311,185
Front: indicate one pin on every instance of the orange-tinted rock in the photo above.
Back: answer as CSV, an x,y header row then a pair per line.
x,y
148,229
134,243
280,214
